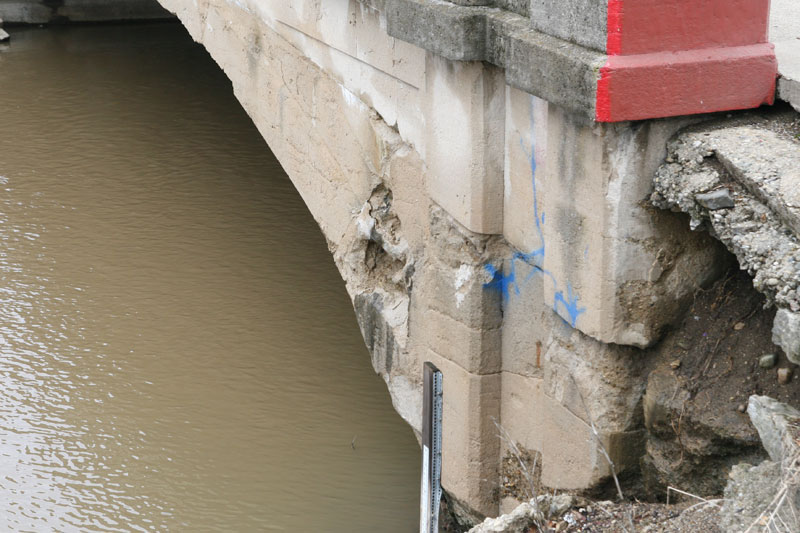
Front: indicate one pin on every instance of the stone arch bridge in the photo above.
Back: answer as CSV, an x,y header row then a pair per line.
x,y
481,170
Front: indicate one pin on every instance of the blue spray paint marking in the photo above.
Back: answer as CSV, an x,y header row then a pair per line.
x,y
570,304
504,282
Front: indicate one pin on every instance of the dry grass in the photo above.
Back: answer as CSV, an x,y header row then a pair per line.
x,y
528,473
781,515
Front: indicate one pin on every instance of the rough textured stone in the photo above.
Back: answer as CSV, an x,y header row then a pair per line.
x,y
583,22
719,199
687,447
786,333
527,514
767,361
771,417
784,32
749,491
759,168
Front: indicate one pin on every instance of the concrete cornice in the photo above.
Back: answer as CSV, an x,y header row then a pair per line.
x,y
607,85
553,69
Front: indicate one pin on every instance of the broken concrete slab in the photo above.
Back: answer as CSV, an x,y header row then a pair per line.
x,y
757,163
771,419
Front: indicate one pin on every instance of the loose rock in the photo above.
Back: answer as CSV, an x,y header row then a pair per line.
x,y
527,514
768,361
784,375
786,333
771,419
719,199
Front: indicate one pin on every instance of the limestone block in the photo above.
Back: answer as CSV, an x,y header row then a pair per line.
x,y
577,212
570,456
596,382
579,21
464,112
528,325
470,453
475,350
786,333
604,382
459,293
405,178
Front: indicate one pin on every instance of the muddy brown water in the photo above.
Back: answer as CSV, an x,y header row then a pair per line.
x,y
177,350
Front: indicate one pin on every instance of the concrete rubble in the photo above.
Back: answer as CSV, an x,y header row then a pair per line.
x,y
741,182
527,514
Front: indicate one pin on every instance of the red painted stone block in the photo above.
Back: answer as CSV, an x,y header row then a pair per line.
x,y
684,83
682,57
648,26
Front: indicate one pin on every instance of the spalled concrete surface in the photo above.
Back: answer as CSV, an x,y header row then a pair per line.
x,y
785,33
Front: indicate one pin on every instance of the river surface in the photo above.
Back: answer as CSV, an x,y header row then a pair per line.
x,y
177,350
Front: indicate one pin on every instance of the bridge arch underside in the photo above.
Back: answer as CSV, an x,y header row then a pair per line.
x,y
501,237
